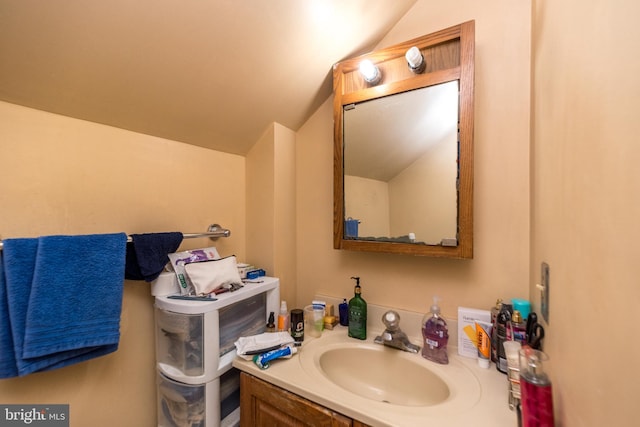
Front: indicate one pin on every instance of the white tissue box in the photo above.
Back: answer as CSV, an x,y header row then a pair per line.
x,y
165,284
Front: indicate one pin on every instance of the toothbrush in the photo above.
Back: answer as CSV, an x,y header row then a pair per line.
x,y
192,298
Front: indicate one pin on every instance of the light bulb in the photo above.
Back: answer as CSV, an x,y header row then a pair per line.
x,y
369,72
415,60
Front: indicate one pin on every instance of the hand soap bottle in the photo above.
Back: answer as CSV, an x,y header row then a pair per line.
x,y
436,335
357,314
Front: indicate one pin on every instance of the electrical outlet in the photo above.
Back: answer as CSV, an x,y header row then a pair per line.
x,y
544,291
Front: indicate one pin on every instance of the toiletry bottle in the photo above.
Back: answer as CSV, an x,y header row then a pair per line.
x,y
357,314
436,335
535,390
297,325
494,331
283,318
523,306
343,310
271,326
519,327
504,333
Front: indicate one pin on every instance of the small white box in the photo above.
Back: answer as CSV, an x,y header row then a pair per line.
x,y
468,317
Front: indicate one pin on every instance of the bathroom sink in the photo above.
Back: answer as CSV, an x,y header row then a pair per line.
x,y
381,375
347,368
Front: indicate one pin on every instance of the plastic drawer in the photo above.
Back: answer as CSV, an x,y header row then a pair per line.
x,y
180,342
187,405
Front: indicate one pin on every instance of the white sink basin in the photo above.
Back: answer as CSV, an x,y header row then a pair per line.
x,y
354,369
383,376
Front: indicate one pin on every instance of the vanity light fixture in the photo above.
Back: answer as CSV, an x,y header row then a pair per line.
x,y
370,72
415,60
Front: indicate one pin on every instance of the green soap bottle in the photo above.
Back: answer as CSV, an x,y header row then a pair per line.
x,y
357,314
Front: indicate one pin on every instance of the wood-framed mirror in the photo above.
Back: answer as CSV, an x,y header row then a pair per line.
x,y
403,149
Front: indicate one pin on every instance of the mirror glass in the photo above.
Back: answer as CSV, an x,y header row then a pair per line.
x,y
403,149
401,166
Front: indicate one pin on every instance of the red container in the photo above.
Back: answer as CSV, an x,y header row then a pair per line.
x,y
535,390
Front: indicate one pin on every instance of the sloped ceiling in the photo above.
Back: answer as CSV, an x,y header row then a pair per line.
x,y
213,73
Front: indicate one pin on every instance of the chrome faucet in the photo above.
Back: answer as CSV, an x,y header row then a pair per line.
x,y
393,336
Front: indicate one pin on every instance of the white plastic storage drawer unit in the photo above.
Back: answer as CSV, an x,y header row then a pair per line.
x,y
195,349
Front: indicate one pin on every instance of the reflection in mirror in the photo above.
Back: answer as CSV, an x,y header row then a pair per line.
x,y
400,166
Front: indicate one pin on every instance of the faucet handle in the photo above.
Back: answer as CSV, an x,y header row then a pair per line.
x,y
391,320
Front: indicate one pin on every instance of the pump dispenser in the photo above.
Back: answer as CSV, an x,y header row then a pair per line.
x,y
357,313
436,335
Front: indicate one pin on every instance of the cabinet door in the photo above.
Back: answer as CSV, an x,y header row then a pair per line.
x,y
265,405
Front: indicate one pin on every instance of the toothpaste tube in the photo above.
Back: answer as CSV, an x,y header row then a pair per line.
x,y
262,360
483,330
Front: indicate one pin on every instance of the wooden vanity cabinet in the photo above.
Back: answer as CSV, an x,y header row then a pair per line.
x,y
264,405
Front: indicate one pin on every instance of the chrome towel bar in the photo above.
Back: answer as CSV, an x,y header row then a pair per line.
x,y
214,232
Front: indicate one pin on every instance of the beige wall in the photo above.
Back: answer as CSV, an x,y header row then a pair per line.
x,y
500,267
67,176
271,210
424,197
585,212
260,201
367,200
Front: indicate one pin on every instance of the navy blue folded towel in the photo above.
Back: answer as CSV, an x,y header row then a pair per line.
x,y
147,254
64,295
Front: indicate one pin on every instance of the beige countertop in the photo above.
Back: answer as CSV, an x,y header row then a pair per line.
x,y
478,397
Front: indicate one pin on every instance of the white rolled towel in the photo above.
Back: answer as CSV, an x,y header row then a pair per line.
x,y
246,347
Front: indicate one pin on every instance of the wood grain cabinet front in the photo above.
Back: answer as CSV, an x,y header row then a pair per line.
x,y
264,405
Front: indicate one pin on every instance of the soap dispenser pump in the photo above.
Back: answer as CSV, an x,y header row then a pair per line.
x,y
357,313
436,335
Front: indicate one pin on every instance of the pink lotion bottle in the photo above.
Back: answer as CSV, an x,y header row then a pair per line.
x,y
436,335
535,390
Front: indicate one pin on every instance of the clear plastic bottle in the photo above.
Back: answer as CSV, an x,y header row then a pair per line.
x,y
283,317
436,335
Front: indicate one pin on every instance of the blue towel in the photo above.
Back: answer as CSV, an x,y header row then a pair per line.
x,y
8,367
147,254
65,298
19,256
